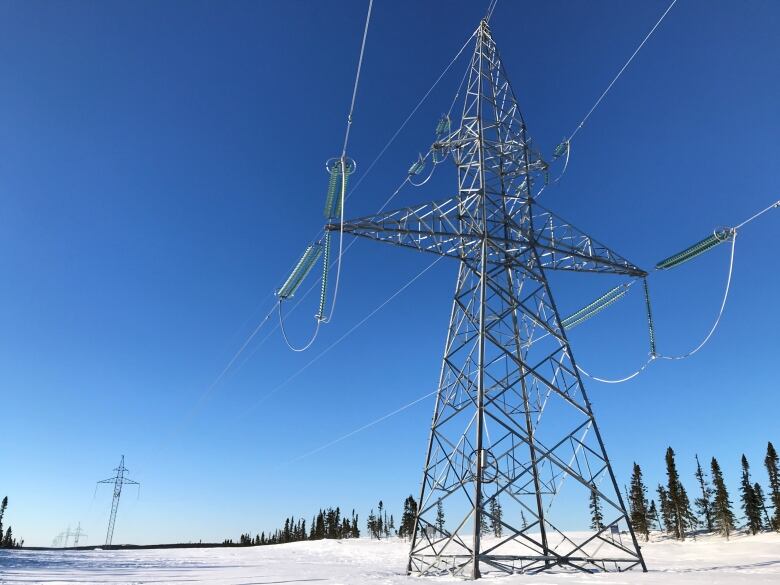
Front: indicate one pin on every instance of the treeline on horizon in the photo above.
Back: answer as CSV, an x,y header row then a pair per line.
x,y
674,514
329,523
712,509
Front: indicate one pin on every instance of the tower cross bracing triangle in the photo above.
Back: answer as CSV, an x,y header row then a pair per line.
x,y
507,361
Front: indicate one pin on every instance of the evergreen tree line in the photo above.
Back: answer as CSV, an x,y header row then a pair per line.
x,y
7,539
712,508
378,525
327,523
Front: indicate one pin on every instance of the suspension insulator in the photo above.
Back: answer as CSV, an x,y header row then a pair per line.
x,y
337,185
325,269
650,326
301,270
561,149
443,127
708,243
417,167
595,307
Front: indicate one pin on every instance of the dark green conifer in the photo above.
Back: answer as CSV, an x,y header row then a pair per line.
x,y
759,491
3,506
495,517
723,517
408,517
596,515
439,517
704,503
680,514
380,528
750,503
637,499
772,463
663,501
355,529
483,519
653,517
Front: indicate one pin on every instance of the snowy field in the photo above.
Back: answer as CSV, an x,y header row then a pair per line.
x,y
711,560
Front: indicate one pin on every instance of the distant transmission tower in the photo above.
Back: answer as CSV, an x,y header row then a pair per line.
x,y
507,359
118,480
78,534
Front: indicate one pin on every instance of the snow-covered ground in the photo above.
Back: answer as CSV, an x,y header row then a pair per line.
x,y
711,560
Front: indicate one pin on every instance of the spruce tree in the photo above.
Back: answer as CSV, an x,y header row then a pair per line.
x,y
653,516
439,517
772,463
663,501
704,503
680,513
759,491
722,516
355,529
750,503
3,506
596,515
483,521
408,517
495,517
637,499
371,524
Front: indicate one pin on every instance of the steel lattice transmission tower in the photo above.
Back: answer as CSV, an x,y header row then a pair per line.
x,y
507,360
118,480
78,534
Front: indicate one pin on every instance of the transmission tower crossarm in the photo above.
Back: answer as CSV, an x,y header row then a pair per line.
x,y
437,227
563,246
432,227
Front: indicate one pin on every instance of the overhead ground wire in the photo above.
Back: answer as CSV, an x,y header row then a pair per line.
x,y
567,141
619,73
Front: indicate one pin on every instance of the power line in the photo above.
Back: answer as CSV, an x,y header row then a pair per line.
x,y
363,427
343,337
622,69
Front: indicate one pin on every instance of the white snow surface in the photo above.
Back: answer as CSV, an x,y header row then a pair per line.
x,y
709,559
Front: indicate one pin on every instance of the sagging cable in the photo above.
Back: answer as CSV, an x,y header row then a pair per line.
x,y
720,312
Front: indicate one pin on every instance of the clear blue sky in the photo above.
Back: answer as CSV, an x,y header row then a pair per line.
x,y
161,169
